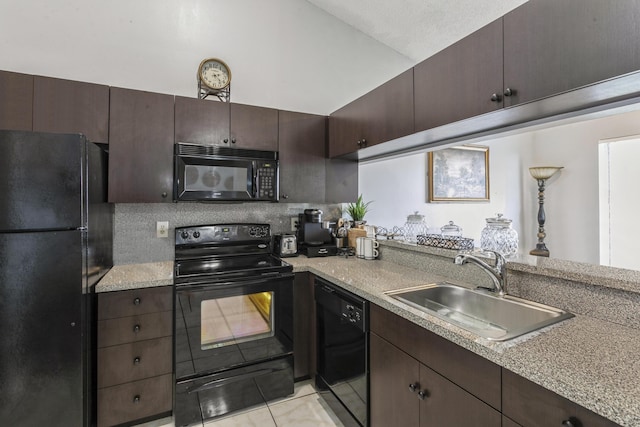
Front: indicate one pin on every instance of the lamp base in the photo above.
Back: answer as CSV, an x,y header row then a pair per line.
x,y
540,250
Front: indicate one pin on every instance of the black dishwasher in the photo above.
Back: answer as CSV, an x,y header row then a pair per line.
x,y
343,342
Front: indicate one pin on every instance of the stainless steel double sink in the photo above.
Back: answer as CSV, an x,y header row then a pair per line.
x,y
479,311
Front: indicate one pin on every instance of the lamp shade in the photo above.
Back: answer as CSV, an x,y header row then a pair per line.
x,y
544,172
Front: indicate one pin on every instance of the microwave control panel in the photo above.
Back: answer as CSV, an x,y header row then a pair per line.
x,y
267,181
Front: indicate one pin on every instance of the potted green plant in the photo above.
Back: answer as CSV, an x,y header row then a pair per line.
x,y
358,210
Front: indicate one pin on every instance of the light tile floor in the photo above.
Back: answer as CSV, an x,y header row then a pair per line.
x,y
304,408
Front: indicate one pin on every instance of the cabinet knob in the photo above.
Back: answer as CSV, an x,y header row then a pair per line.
x,y
509,92
136,328
285,196
413,387
423,394
136,398
570,423
164,195
137,301
233,140
226,140
496,98
136,361
361,142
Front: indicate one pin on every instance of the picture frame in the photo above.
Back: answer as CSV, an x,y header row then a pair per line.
x,y
459,174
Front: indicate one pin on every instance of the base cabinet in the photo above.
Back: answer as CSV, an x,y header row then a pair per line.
x,y
134,355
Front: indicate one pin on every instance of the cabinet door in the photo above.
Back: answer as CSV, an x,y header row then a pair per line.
x,y
302,157
443,401
254,127
16,101
66,106
590,419
381,115
140,147
202,121
531,405
303,326
391,400
462,81
553,46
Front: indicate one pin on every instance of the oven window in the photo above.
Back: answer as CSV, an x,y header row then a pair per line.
x,y
233,320
218,178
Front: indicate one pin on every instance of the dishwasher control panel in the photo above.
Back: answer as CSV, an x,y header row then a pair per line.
x,y
352,314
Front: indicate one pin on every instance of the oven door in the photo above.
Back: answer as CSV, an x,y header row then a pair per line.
x,y
207,179
223,326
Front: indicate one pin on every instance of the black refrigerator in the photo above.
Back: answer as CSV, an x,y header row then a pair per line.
x,y
56,234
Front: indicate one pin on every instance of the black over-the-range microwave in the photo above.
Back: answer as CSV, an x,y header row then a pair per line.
x,y
212,173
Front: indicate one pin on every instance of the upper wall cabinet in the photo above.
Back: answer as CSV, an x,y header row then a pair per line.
x,y
65,106
381,115
552,46
226,124
140,147
302,157
461,81
16,101
201,121
254,127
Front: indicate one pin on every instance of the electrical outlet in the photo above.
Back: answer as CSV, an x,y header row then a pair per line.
x,y
294,223
162,229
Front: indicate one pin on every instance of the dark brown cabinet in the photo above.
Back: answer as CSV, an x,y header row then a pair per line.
x,y
254,127
301,144
461,81
554,46
304,337
16,101
531,405
415,381
134,355
141,136
66,106
381,115
201,121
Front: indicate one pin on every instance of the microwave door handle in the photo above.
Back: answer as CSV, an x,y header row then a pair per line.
x,y
255,180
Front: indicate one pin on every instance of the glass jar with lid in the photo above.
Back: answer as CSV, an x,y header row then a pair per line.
x,y
415,226
451,229
499,236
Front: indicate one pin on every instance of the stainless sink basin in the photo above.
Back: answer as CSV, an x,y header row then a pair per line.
x,y
480,312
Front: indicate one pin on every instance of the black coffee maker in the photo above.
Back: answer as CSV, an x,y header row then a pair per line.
x,y
313,240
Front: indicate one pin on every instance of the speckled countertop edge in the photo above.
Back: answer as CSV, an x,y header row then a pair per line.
x,y
591,362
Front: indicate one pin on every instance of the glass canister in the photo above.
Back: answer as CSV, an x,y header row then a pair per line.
x,y
415,226
451,229
499,236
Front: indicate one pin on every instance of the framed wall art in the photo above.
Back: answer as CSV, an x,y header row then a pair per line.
x,y
459,174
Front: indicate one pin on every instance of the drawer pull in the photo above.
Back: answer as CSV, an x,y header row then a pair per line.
x,y
136,328
136,361
136,398
413,387
423,394
137,301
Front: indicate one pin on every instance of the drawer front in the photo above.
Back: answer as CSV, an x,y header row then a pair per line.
x,y
135,400
398,331
134,302
124,330
130,362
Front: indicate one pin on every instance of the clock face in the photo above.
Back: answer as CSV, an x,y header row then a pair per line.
x,y
214,73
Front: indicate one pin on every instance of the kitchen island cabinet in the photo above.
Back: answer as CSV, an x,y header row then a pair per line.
x,y
66,106
134,355
592,41
141,133
381,115
16,101
461,81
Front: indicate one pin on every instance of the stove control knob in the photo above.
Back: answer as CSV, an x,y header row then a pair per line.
x,y
196,234
185,235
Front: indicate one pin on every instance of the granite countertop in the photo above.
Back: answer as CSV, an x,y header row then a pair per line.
x,y
589,361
